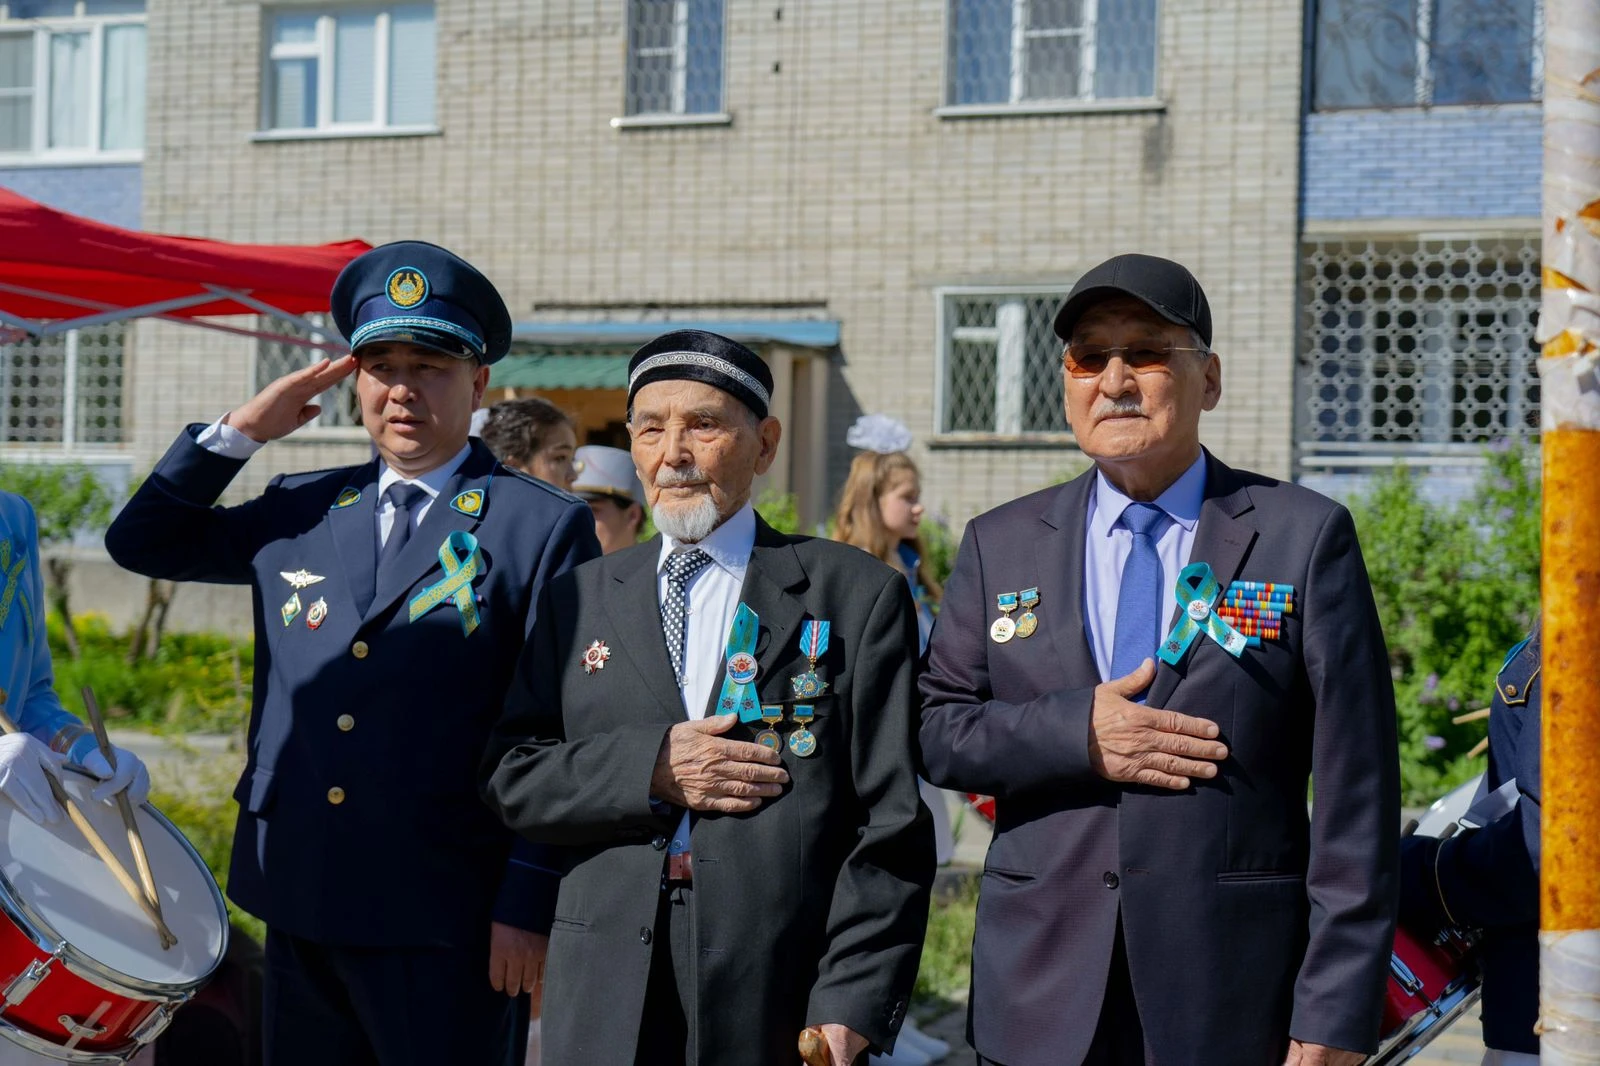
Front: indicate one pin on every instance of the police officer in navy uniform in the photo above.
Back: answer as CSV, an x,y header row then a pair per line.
x,y
1488,878
391,602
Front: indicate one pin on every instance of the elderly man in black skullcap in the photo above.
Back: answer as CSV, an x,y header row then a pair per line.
x,y
717,724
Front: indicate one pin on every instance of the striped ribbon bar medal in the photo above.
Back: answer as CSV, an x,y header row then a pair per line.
x,y
1257,609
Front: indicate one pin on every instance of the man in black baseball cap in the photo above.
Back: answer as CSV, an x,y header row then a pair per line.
x,y
1206,639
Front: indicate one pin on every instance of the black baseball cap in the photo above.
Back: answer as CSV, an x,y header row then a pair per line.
x,y
1166,287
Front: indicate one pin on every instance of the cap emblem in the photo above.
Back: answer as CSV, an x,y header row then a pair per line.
x,y
407,287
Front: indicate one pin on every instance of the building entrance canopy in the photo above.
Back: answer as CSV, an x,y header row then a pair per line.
x,y
59,272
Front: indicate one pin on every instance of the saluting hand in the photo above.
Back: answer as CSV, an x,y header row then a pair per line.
x,y
285,405
1135,744
699,770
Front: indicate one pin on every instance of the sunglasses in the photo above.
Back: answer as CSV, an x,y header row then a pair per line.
x,y
1090,360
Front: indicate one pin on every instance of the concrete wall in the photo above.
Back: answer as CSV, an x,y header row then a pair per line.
x,y
104,193
835,184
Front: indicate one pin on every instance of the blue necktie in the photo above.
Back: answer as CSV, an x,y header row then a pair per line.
x,y
405,497
1139,598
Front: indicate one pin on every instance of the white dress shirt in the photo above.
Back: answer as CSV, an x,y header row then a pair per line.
x,y
713,598
224,440
1108,542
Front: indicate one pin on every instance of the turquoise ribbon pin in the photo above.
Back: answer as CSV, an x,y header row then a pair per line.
x,y
1197,592
736,696
11,574
462,563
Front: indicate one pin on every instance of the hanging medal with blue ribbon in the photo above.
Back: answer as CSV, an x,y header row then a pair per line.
x,y
813,645
462,564
738,686
1197,592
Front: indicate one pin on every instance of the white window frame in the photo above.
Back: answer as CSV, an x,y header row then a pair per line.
x,y
679,50
42,30
678,115
1424,84
69,446
321,49
1010,339
1021,35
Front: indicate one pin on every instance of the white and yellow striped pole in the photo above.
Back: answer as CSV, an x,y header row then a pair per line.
x,y
1569,331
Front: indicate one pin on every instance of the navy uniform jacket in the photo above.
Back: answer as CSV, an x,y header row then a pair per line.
x,y
1489,878
359,819
1246,922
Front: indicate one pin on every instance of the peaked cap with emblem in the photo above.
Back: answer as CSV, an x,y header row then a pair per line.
x,y
418,293
698,355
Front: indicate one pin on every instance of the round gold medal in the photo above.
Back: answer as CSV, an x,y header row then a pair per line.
x,y
1027,625
1002,630
769,739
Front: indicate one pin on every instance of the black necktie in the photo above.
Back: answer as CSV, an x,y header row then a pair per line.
x,y
404,496
680,568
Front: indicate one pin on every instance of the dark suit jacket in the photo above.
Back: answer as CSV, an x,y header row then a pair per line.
x,y
1490,876
409,857
810,909
1245,921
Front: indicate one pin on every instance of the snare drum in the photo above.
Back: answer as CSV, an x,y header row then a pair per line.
x,y
83,977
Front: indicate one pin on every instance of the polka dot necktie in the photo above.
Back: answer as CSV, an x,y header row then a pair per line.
x,y
681,568
1138,631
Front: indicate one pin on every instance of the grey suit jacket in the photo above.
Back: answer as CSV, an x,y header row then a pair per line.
x,y
810,909
1246,920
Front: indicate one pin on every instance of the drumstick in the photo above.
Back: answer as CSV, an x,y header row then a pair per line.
x,y
101,848
814,1049
141,860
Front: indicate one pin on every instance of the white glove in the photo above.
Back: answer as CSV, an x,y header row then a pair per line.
x,y
24,763
130,774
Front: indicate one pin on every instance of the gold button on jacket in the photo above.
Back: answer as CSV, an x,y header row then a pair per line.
x,y
359,649
335,795
345,723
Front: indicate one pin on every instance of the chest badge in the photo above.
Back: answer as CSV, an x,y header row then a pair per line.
x,y
300,579
595,656
290,610
813,645
317,614
347,498
469,503
1004,627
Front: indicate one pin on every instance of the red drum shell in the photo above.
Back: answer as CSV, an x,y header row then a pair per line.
x,y
984,805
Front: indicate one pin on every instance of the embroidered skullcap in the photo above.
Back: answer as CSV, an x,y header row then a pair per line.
x,y
697,355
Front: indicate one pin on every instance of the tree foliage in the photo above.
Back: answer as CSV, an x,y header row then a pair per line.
x,y
1456,586
69,501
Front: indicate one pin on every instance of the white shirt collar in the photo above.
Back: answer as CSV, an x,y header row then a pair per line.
x,y
729,545
433,482
1181,501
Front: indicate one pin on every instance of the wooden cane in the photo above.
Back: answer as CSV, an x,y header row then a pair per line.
x,y
814,1049
101,848
141,859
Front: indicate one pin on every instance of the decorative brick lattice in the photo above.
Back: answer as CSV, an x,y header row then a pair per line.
x,y
1001,363
63,390
1417,347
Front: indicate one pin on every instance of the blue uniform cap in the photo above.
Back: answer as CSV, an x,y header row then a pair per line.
x,y
419,293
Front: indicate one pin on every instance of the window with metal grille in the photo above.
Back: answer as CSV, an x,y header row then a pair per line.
x,y
72,80
999,363
674,57
65,389
275,358
1023,51
1403,53
1417,348
349,71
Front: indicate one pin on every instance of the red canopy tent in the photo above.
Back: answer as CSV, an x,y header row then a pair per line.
x,y
59,272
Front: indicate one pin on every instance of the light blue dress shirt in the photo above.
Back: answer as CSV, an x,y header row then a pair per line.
x,y
25,672
1108,542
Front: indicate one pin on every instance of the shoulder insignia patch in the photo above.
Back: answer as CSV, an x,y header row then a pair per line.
x,y
469,503
346,498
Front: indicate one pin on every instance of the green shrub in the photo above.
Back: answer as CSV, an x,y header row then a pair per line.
x,y
196,681
1456,587
947,951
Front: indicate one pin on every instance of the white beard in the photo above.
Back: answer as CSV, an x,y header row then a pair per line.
x,y
690,521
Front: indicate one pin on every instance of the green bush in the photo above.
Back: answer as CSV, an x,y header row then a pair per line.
x,y
1456,588
196,682
947,951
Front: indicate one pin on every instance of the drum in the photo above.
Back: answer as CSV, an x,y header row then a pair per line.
x,y
1431,983
984,805
83,977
